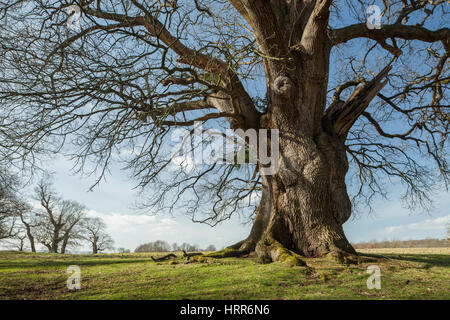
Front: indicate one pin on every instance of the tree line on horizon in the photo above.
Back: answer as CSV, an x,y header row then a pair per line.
x,y
163,246
423,243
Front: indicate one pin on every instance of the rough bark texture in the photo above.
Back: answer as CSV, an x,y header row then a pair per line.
x,y
55,240
303,206
309,197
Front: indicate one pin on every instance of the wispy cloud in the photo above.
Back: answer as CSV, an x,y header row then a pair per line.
x,y
422,229
436,226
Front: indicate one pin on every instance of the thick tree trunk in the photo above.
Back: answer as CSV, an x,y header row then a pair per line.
x,y
54,245
305,204
56,239
31,239
309,196
64,245
260,222
29,234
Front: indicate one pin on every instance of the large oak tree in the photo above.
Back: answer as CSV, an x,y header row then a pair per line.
x,y
342,96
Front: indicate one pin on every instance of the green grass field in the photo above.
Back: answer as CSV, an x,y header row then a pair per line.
x,y
405,274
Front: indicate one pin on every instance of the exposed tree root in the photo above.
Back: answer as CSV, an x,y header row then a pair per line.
x,y
236,246
190,255
267,251
237,250
199,259
270,250
347,258
229,252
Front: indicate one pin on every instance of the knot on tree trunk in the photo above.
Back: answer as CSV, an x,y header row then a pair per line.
x,y
283,85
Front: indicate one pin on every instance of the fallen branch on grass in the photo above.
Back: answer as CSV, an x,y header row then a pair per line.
x,y
171,255
190,255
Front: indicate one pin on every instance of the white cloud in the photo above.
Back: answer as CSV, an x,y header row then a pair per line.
x,y
363,231
391,220
425,227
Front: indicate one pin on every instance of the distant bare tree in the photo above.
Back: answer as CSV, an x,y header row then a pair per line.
x,y
211,247
156,246
94,232
58,219
73,229
7,226
30,221
10,205
20,238
189,247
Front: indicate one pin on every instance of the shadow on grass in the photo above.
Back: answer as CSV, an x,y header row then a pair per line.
x,y
431,260
67,262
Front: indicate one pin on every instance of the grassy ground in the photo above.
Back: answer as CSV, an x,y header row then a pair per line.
x,y
405,274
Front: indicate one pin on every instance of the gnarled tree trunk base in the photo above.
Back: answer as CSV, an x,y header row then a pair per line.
x,y
270,250
304,204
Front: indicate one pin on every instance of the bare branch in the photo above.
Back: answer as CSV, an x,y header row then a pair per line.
x,y
401,31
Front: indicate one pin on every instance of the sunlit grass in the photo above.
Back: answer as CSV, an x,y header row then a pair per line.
x,y
405,275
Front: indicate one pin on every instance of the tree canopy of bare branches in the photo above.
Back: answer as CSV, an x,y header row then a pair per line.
x,y
95,234
59,220
10,205
354,106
